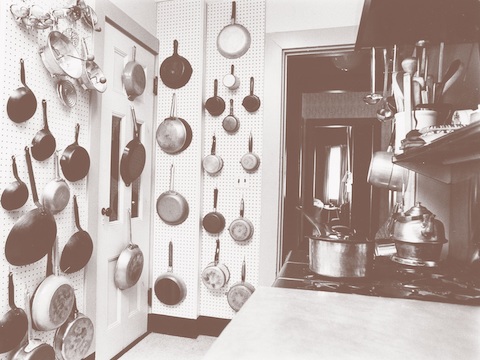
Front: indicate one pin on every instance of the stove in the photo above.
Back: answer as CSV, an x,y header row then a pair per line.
x,y
442,283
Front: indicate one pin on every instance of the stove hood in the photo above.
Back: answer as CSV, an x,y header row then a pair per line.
x,y
404,22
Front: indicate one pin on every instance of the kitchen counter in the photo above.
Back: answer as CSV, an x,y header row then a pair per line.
x,y
279,323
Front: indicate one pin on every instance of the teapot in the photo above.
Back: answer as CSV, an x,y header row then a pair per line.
x,y
417,225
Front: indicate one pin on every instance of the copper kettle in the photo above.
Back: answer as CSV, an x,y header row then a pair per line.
x,y
417,225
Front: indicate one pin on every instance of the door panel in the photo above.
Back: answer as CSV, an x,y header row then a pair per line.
x,y
122,314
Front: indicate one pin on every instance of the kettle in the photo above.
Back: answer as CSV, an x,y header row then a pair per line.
x,y
417,225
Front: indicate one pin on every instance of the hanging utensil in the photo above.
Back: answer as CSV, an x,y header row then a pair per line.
x,y
250,161
133,77
79,247
15,195
251,102
172,207
175,70
134,155
44,143
234,40
216,274
33,235
230,81
169,288
212,163
75,161
56,194
241,229
215,105
385,113
129,266
373,97
240,292
214,222
14,324
230,123
22,103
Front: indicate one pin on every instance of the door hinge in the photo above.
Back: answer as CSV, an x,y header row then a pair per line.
x,y
155,85
149,297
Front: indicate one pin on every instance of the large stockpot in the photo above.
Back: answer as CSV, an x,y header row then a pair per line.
x,y
339,254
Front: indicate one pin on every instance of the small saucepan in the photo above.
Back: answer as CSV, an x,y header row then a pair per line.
x,y
230,123
56,194
15,195
215,105
22,103
216,274
250,161
240,292
230,81
241,229
172,207
214,222
251,102
43,143
213,163
169,288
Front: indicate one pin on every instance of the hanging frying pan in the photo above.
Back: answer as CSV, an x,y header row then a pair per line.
x,y
43,144
78,249
214,222
14,324
75,161
52,301
171,206
73,339
22,103
134,156
212,163
241,229
33,349
230,123
15,195
251,102
33,235
175,70
169,288
129,264
174,134
250,161
134,78
234,40
215,105
240,292
56,194
216,274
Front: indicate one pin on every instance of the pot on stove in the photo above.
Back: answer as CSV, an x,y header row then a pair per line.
x,y
418,236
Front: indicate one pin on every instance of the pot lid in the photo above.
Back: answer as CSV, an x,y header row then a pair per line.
x,y
417,210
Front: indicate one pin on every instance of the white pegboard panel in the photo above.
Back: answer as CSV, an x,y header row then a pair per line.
x,y
181,21
231,147
17,43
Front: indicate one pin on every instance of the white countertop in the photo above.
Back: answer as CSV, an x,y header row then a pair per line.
x,y
278,323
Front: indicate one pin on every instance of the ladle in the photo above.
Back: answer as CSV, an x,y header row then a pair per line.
x,y
373,97
15,194
385,113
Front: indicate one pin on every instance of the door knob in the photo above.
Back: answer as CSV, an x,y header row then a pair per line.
x,y
106,211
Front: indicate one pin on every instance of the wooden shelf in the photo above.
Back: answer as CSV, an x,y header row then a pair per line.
x,y
457,153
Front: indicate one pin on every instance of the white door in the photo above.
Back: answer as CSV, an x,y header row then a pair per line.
x,y
121,315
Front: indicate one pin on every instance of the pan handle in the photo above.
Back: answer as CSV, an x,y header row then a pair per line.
x,y
11,291
171,177
231,107
243,270
32,178
135,124
242,208
251,85
234,11
22,72
170,256
214,145
75,210
215,88
215,198
129,213
217,253
173,107
14,169
45,120
250,143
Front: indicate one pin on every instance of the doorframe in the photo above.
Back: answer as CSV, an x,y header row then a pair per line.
x,y
109,13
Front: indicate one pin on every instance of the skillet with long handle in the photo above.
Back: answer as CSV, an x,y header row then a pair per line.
x,y
134,155
43,143
75,160
22,103
33,235
15,195
172,207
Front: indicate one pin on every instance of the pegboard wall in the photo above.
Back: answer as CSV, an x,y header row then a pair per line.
x,y
194,248
19,42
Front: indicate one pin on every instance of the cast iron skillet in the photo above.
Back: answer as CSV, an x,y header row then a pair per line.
x,y
134,156
22,103
215,105
33,235
75,161
15,195
43,144
214,222
175,70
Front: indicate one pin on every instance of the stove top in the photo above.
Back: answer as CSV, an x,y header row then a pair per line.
x,y
389,279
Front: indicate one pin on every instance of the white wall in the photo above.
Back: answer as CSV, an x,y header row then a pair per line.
x,y
142,11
